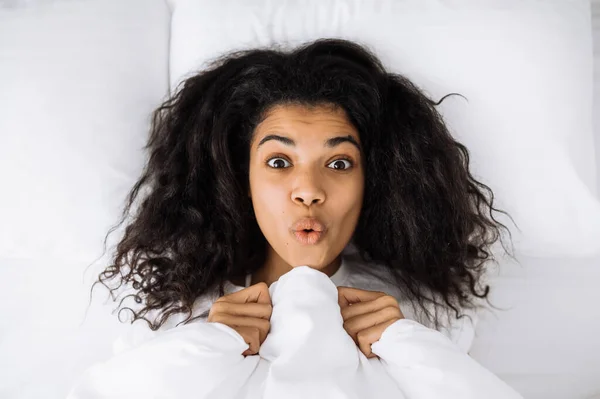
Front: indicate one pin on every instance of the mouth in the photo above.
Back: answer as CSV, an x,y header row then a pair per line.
x,y
308,236
308,230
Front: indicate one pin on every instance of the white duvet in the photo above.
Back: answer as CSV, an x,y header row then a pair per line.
x,y
307,354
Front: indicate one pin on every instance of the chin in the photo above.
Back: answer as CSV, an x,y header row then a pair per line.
x,y
309,265
314,256
314,262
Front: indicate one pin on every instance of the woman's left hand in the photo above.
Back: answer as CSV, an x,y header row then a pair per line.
x,y
366,315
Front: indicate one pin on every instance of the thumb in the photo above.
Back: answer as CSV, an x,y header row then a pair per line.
x,y
257,293
348,296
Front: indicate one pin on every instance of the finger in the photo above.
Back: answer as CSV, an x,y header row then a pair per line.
x,y
369,307
363,322
240,321
258,293
251,336
259,310
369,336
348,296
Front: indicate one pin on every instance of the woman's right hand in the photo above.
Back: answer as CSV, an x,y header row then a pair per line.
x,y
248,312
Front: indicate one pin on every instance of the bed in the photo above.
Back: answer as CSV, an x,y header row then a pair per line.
x,y
79,79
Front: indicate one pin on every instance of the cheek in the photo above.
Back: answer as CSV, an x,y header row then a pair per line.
x,y
268,195
268,198
349,197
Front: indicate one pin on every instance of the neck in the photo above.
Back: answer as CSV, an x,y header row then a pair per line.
x,y
275,267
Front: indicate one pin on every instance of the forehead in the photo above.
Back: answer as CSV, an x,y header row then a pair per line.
x,y
309,121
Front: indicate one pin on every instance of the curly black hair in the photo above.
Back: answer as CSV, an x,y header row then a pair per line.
x,y
424,217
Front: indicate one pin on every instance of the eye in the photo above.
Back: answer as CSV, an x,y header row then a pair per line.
x,y
279,163
340,165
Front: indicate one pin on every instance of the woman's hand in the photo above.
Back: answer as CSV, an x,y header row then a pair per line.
x,y
248,312
366,315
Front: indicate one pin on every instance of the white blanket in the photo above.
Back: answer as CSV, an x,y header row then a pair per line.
x,y
307,354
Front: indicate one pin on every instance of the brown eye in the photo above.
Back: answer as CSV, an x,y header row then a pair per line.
x,y
340,164
278,163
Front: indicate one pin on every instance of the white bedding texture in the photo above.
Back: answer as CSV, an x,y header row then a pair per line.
x,y
80,78
307,354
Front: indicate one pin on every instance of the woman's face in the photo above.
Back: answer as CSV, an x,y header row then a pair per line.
x,y
306,163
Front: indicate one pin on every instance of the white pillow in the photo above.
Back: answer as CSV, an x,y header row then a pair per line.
x,y
525,67
79,80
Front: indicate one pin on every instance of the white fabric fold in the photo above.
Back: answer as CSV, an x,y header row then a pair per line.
x,y
307,353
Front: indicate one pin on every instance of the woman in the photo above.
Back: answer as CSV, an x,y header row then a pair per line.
x,y
319,157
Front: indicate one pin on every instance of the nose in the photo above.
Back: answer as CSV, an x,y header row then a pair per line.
x,y
308,191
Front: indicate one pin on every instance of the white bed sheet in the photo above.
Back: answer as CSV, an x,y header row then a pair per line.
x,y
555,315
546,343
595,4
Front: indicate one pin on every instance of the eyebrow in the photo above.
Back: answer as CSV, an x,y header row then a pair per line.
x,y
329,143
